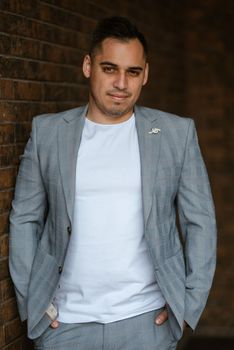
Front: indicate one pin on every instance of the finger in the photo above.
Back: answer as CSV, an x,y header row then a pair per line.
x,y
54,324
162,317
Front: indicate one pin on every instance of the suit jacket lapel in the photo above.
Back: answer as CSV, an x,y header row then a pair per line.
x,y
69,138
149,146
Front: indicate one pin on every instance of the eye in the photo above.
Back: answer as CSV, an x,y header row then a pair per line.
x,y
134,73
108,69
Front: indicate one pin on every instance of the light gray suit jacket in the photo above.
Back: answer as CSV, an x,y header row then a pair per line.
x,y
173,177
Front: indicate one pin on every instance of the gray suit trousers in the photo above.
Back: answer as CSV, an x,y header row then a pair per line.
x,y
134,333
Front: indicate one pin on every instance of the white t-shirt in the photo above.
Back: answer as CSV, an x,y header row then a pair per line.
x,y
108,274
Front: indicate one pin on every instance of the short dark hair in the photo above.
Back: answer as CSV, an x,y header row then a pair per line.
x,y
119,28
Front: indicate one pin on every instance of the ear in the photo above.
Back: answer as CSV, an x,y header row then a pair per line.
x,y
146,73
87,66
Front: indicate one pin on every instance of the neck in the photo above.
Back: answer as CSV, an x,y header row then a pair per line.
x,y
97,116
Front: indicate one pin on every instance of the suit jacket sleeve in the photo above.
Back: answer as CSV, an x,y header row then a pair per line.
x,y
198,226
26,220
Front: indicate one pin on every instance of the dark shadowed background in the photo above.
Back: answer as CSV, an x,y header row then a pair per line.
x,y
42,44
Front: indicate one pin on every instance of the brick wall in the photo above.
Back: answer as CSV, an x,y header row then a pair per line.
x,y
42,44
209,98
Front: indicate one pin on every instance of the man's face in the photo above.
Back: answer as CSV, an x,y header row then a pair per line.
x,y
117,72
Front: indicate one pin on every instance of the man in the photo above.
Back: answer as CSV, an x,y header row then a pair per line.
x,y
95,253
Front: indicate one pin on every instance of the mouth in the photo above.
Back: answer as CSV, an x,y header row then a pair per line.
x,y
118,97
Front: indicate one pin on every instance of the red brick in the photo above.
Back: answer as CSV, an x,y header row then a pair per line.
x,y
17,345
64,55
24,26
7,178
216,154
32,49
7,86
5,44
16,68
22,132
83,7
5,201
4,221
11,111
67,19
26,8
4,247
4,271
70,93
8,311
16,46
9,155
7,133
6,290
13,330
22,111
2,337
28,91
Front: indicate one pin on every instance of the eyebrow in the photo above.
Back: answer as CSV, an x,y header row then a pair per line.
x,y
107,63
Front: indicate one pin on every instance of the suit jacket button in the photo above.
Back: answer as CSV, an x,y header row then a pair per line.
x,y
69,230
60,269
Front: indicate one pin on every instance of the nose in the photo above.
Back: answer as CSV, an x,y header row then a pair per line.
x,y
120,81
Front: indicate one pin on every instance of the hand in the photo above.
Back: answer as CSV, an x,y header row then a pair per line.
x,y
54,324
162,317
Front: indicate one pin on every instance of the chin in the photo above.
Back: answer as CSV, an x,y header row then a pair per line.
x,y
118,112
115,113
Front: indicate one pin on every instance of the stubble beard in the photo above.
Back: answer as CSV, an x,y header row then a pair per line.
x,y
118,111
